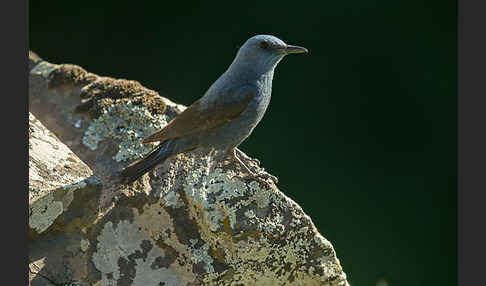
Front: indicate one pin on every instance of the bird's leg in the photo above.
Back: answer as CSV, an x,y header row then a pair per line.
x,y
233,154
261,172
244,156
261,175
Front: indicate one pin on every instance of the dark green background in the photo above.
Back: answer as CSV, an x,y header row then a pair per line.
x,y
361,131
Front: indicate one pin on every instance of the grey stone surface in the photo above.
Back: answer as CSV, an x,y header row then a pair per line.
x,y
191,221
55,175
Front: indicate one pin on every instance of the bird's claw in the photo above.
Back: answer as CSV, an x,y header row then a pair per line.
x,y
266,175
260,175
247,158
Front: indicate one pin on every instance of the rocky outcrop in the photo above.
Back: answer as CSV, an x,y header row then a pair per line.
x,y
193,220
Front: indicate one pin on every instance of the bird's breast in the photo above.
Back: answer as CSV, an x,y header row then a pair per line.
x,y
238,129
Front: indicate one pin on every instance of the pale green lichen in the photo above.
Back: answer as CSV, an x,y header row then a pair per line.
x,y
216,196
84,245
272,224
113,243
145,274
217,200
47,208
261,260
200,254
44,212
127,123
172,200
122,241
43,69
250,214
248,257
210,192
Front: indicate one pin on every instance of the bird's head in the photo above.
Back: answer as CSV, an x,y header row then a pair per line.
x,y
264,52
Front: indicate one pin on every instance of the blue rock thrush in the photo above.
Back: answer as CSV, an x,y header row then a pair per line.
x,y
227,113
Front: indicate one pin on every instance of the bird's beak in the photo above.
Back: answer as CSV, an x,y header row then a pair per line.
x,y
289,49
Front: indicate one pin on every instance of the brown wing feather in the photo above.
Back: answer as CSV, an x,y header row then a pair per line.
x,y
194,119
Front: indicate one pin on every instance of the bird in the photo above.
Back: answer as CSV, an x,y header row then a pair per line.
x,y
228,111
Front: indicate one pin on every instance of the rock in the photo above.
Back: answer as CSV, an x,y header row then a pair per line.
x,y
63,201
193,220
56,177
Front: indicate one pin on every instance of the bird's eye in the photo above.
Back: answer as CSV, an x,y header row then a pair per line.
x,y
264,45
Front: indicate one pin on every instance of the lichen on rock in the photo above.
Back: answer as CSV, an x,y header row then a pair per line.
x,y
127,123
193,220
55,173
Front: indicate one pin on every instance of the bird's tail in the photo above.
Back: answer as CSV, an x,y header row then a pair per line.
x,y
138,168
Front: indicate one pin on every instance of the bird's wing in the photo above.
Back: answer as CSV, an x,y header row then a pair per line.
x,y
200,117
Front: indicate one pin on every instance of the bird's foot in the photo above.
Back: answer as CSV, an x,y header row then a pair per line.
x,y
260,176
266,176
247,158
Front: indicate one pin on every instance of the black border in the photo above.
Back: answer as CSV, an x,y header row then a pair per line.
x,y
14,159
471,140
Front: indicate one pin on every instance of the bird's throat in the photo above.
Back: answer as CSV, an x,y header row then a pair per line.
x,y
265,82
